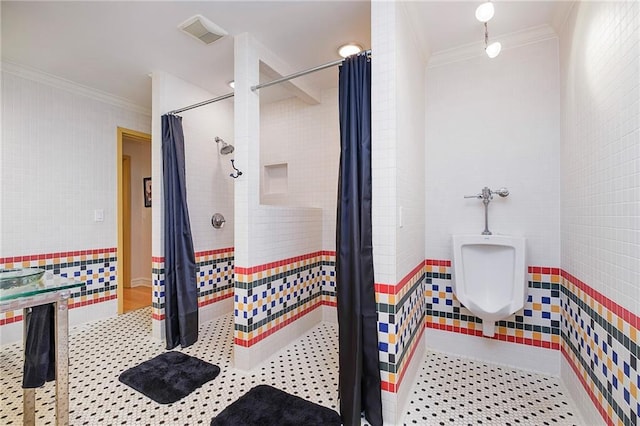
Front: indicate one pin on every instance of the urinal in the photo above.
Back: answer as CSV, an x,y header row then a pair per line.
x,y
490,276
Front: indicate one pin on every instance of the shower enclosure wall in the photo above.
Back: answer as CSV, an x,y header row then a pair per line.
x,y
209,190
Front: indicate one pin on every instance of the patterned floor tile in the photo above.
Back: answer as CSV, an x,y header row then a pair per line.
x,y
448,390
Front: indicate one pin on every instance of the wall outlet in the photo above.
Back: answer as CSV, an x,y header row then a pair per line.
x,y
98,215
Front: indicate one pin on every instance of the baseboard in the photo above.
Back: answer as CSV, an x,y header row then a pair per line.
x,y
394,405
94,312
141,282
248,359
409,377
12,333
586,410
330,314
205,314
214,310
524,357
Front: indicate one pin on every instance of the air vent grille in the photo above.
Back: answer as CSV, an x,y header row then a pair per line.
x,y
202,29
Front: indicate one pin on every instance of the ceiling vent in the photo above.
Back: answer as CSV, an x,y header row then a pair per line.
x,y
203,29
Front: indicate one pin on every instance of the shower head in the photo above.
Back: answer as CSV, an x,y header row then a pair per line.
x,y
226,148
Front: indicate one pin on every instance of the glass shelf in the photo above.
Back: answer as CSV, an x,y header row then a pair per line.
x,y
48,283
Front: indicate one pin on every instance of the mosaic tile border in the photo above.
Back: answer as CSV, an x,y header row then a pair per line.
x,y
95,267
597,337
270,296
401,309
215,274
328,272
538,325
600,343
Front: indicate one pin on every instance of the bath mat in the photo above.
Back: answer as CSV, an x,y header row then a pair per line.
x,y
267,406
169,377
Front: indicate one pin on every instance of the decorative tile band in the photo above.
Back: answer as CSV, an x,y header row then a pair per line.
x,y
96,268
328,272
401,309
597,337
600,342
538,325
214,275
270,296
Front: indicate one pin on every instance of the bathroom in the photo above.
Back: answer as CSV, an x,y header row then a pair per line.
x,y
554,118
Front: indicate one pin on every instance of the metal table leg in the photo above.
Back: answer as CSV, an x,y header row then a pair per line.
x,y
28,395
62,361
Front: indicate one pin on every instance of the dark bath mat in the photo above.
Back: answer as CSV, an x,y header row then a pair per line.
x,y
169,376
267,406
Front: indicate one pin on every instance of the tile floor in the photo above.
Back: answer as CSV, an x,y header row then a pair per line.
x,y
448,390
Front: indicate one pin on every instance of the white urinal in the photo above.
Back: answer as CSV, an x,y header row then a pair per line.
x,y
489,276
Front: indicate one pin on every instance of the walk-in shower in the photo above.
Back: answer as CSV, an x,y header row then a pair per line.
x,y
226,148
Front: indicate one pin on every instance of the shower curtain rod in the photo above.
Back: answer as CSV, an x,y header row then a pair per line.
x,y
263,85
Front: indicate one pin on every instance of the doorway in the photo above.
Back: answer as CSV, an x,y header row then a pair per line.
x,y
134,220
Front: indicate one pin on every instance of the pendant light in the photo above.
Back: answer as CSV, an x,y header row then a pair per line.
x,y
492,49
484,13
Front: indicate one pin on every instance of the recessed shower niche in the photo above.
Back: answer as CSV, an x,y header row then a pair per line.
x,y
275,183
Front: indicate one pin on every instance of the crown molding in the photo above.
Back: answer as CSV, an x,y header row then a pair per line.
x,y
561,15
509,41
70,86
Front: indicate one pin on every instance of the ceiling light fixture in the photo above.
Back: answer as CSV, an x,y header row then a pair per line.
x,y
485,12
492,49
349,49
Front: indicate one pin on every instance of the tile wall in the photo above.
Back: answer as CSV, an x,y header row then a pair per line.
x,y
306,138
214,279
58,163
538,324
401,309
210,189
96,268
600,341
597,337
600,204
268,297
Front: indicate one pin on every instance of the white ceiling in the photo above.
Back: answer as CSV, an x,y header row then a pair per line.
x,y
112,46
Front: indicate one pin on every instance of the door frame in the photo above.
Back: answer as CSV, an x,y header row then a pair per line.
x,y
121,251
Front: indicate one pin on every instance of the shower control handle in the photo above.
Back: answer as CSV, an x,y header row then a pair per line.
x,y
473,196
217,221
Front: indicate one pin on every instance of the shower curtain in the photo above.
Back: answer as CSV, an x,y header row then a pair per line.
x,y
180,291
359,387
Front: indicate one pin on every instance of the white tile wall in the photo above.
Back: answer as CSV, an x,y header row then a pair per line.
x,y
306,138
600,87
263,233
410,147
495,123
247,132
210,189
58,166
397,155
383,140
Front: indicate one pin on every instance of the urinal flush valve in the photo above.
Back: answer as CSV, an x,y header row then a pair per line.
x,y
486,196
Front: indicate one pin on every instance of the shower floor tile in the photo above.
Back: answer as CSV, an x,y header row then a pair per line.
x,y
448,390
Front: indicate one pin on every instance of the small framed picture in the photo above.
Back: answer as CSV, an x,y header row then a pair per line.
x,y
146,186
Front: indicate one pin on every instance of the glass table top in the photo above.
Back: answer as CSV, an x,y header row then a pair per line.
x,y
27,282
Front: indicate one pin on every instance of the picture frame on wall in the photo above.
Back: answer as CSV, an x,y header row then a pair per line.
x,y
146,188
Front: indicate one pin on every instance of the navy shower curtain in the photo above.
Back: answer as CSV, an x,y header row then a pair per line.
x,y
359,385
180,291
